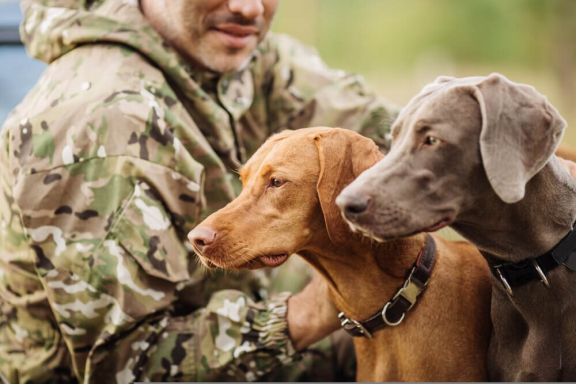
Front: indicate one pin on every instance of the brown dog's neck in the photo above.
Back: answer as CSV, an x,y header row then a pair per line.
x,y
364,275
530,227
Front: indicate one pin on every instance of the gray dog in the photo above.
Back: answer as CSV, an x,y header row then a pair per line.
x,y
478,154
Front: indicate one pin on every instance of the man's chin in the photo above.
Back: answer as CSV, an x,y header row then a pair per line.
x,y
228,64
223,60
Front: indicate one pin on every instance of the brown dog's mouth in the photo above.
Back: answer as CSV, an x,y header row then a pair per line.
x,y
256,263
274,260
266,261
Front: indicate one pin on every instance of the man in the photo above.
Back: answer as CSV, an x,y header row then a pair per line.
x,y
130,137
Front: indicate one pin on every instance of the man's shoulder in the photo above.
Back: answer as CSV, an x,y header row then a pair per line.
x,y
95,101
289,61
109,75
94,79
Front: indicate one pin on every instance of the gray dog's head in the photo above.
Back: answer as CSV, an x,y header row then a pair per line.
x,y
457,142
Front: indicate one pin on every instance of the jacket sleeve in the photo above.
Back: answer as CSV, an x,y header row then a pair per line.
x,y
304,92
109,237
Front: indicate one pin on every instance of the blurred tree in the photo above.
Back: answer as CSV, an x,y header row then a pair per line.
x,y
401,44
564,53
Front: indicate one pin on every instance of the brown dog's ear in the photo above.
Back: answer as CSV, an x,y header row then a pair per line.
x,y
343,155
520,131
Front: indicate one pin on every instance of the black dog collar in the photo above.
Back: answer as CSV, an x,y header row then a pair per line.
x,y
395,310
525,271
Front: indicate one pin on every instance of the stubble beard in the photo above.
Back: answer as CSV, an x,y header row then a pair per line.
x,y
206,51
220,60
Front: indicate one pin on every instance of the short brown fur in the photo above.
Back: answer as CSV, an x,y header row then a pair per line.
x,y
443,338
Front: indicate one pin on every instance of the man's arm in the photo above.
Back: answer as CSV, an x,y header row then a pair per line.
x,y
311,314
109,236
111,282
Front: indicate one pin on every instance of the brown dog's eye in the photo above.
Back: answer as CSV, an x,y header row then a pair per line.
x,y
431,140
276,182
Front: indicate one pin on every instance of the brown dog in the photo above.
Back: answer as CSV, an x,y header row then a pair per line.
x,y
478,154
566,152
287,206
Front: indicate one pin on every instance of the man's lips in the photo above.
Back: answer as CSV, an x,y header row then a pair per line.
x,y
236,36
237,29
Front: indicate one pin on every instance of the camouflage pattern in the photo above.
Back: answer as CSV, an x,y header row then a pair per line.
x,y
106,165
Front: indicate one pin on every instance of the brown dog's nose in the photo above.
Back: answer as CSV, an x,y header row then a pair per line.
x,y
201,237
353,205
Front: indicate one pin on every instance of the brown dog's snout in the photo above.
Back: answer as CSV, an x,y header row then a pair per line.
x,y
353,205
202,237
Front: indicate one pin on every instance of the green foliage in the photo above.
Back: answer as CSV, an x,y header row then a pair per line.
x,y
399,45
372,34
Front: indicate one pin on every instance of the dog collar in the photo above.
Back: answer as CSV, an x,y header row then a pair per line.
x,y
394,311
525,271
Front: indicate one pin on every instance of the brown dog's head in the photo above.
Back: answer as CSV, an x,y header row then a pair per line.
x,y
459,141
287,202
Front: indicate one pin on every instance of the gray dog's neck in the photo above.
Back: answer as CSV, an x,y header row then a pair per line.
x,y
528,228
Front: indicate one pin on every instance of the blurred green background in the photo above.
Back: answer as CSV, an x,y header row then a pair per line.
x,y
400,45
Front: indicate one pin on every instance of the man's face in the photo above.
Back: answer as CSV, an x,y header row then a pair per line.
x,y
220,35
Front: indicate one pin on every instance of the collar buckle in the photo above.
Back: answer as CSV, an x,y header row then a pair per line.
x,y
404,299
352,326
389,322
409,292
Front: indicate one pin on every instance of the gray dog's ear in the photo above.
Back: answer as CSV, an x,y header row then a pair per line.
x,y
520,131
438,83
343,155
444,79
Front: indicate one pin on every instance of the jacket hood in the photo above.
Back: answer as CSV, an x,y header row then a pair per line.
x,y
51,28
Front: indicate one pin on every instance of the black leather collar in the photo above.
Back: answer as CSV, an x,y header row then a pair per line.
x,y
520,273
394,312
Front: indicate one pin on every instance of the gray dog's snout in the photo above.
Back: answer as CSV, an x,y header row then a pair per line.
x,y
352,205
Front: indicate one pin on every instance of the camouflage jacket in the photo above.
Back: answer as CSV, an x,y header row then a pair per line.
x,y
106,165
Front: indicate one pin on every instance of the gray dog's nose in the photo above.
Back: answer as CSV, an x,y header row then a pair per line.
x,y
202,237
352,205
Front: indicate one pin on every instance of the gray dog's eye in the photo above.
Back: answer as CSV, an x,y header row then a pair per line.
x,y
431,140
